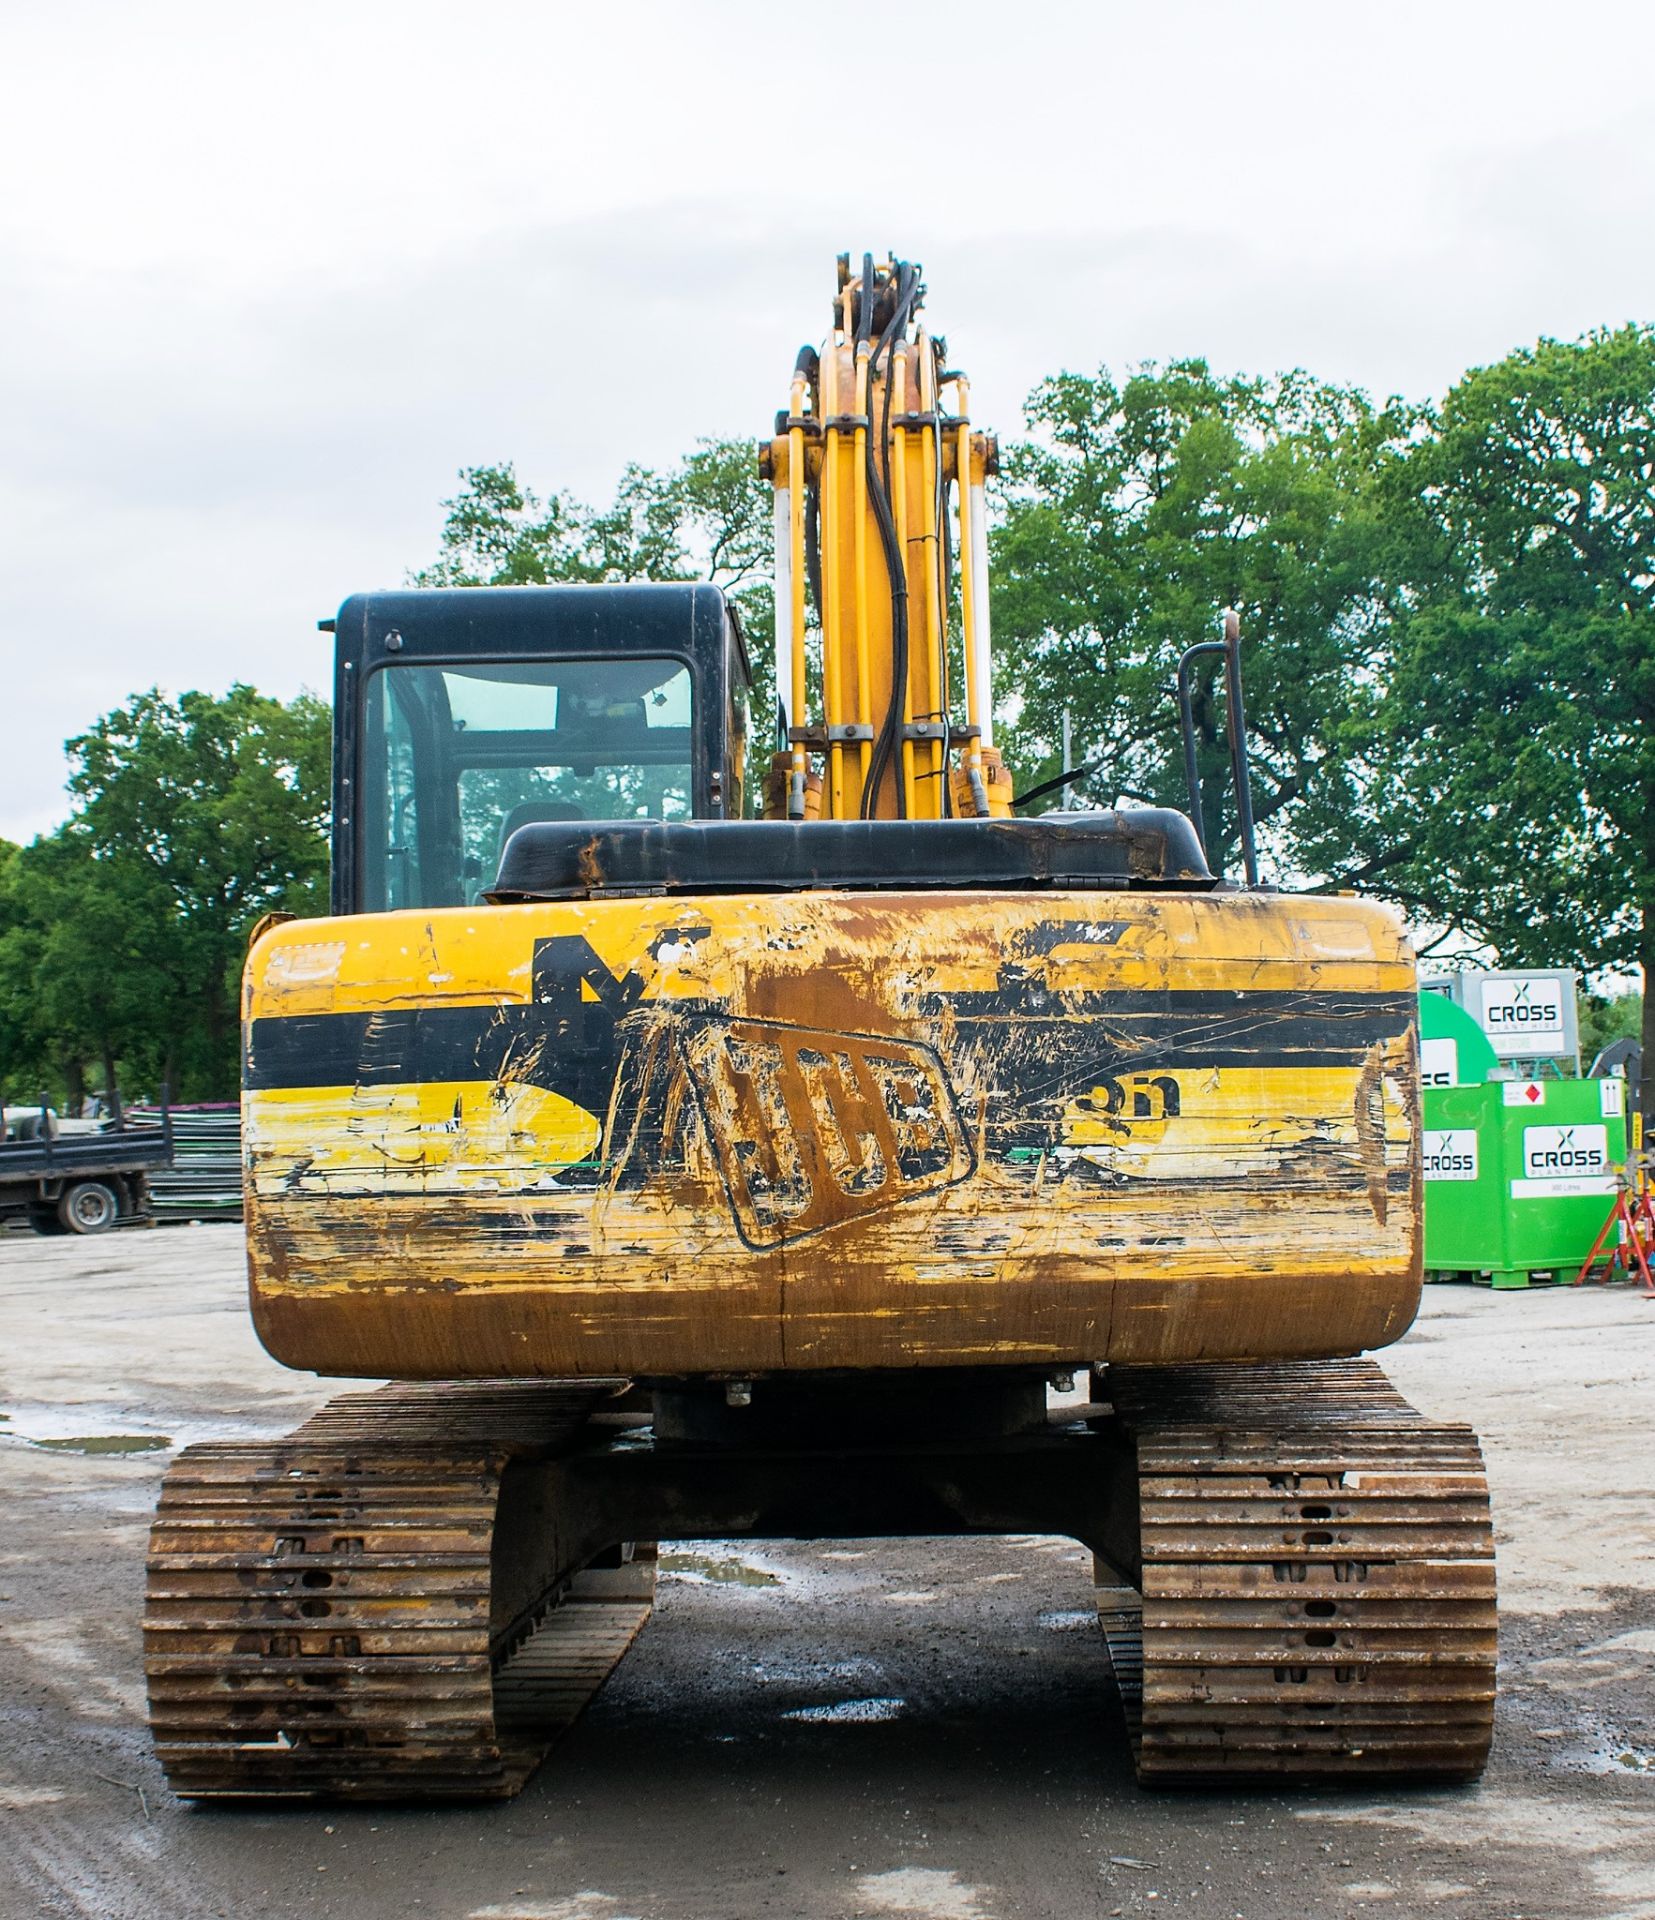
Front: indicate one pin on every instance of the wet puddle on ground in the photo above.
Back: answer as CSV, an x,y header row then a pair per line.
x,y
718,1569
1069,1619
77,1429
856,1712
113,1427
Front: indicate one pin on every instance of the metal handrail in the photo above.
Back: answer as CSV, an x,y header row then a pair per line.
x,y
1235,726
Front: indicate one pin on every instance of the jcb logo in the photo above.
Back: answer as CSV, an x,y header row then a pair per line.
x,y
813,1128
808,1128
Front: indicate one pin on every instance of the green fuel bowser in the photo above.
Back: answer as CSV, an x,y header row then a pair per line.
x,y
1519,1174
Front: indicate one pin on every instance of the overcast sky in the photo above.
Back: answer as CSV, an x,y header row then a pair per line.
x,y
270,276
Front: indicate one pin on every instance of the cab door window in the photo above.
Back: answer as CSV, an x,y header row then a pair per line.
x,y
460,755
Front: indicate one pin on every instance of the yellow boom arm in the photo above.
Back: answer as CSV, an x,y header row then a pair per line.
x,y
879,509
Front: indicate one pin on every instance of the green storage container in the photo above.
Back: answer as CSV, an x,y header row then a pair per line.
x,y
1520,1175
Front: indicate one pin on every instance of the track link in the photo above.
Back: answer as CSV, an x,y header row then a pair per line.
x,y
1316,1594
333,1614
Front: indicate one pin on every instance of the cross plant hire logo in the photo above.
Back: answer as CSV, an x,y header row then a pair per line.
x,y
1451,1153
1551,1153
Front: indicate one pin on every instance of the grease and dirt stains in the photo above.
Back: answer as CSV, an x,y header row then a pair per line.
x,y
923,1893
856,1713
589,1904
852,1147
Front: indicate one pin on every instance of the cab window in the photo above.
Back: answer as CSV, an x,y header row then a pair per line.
x,y
457,757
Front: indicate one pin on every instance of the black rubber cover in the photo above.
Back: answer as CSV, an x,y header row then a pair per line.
x,y
568,860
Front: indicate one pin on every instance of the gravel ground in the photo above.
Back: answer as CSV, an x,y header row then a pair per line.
x,y
918,1728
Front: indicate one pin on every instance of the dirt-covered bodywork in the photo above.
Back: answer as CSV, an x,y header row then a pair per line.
x,y
831,1130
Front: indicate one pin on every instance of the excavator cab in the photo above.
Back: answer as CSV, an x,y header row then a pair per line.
x,y
463,714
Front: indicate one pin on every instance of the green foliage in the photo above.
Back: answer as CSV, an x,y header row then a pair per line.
x,y
1142,509
1449,620
123,933
18,1026
500,534
1525,686
72,955
708,517
1521,719
1605,1018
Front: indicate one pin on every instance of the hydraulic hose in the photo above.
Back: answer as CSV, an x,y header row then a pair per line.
x,y
879,498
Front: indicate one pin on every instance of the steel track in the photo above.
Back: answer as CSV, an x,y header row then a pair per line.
x,y
324,1612
398,1599
1316,1587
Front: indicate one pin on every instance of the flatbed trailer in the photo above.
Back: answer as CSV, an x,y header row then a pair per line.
x,y
82,1182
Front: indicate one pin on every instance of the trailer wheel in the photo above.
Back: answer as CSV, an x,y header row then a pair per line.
x,y
89,1207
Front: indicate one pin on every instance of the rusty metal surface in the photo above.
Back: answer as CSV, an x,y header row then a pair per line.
x,y
836,1130
322,1620
1317,1583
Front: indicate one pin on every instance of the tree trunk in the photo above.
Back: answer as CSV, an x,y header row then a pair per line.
x,y
111,1092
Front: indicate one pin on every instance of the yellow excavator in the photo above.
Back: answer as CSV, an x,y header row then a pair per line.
x,y
719,1125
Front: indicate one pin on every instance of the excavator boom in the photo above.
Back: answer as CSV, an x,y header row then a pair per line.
x,y
879,514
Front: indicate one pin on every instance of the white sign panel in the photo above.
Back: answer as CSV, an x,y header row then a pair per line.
x,y
1527,1016
1439,1063
1451,1154
1564,1162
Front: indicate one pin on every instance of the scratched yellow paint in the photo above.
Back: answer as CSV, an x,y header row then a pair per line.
x,y
444,1135
493,1226
1231,1121
481,956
